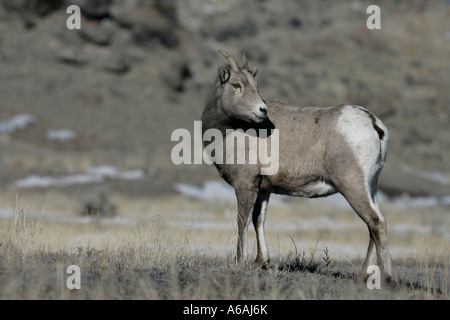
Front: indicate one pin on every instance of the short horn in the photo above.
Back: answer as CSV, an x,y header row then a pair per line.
x,y
231,60
245,62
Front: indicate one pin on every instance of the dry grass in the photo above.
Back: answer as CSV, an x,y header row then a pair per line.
x,y
156,258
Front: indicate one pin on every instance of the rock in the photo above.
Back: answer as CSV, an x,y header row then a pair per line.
x,y
296,22
35,7
103,58
175,76
71,56
97,9
97,203
223,29
246,28
13,5
147,24
31,10
100,33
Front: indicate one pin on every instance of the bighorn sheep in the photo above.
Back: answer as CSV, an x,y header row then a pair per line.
x,y
322,150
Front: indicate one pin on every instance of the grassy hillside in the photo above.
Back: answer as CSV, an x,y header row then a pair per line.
x,y
136,72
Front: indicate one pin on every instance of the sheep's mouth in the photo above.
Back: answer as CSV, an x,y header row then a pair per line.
x,y
260,118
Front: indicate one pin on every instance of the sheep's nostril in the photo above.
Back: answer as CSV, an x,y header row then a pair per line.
x,y
263,110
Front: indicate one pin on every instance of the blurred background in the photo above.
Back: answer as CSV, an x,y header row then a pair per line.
x,y
86,115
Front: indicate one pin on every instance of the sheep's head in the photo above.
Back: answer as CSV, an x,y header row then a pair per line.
x,y
240,96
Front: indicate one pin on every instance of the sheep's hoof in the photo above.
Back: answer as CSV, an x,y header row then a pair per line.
x,y
361,278
386,281
260,263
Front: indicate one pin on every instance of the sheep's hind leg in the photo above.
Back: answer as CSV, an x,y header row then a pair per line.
x,y
366,207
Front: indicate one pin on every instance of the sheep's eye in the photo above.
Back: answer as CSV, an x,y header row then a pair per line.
x,y
236,86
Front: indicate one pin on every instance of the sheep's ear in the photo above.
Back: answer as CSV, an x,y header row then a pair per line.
x,y
254,72
224,74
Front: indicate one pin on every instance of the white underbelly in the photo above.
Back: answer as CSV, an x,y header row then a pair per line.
x,y
313,190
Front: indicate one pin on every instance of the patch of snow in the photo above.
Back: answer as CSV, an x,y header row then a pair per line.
x,y
336,200
18,122
136,174
103,171
446,200
405,201
6,213
61,135
209,190
216,190
321,224
433,176
93,175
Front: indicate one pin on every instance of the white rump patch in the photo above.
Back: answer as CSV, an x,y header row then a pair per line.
x,y
357,128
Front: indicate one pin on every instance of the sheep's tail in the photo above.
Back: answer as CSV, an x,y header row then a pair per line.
x,y
384,141
383,134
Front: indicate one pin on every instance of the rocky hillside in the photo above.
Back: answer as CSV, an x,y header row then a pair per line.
x,y
138,69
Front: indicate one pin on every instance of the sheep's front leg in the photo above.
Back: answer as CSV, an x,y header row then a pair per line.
x,y
259,218
246,200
